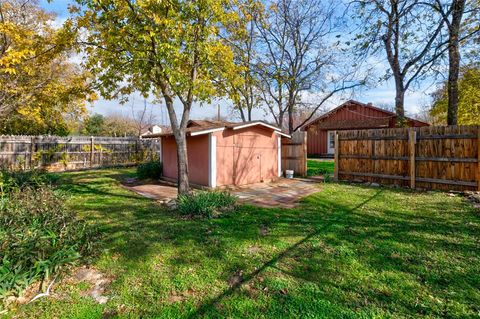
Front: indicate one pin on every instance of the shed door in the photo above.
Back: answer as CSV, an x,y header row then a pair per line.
x,y
247,165
331,142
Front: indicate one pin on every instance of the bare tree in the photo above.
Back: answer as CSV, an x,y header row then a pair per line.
x,y
143,118
297,55
459,30
242,87
410,35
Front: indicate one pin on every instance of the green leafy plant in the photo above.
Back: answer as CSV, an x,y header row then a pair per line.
x,y
206,203
17,180
152,169
38,236
327,178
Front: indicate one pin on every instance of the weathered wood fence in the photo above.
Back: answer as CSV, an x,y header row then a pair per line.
x,y
294,153
446,158
55,153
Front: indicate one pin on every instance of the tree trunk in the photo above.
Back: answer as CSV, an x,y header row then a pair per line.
x,y
280,120
458,6
179,132
182,162
242,114
290,119
400,101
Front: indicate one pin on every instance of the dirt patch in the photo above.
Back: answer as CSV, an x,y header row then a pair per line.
x,y
182,296
254,250
97,280
263,230
236,278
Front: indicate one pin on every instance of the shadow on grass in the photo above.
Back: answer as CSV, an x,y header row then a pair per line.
x,y
203,308
423,245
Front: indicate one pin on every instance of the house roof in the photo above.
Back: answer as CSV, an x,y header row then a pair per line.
x,y
357,124
200,127
353,124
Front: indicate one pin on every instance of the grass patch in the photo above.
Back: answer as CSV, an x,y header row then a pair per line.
x,y
346,252
317,167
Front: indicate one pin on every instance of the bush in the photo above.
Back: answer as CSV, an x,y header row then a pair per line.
x,y
38,235
11,181
151,169
206,203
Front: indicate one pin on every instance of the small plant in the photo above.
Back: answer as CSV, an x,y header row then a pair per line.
x,y
206,203
151,169
38,236
327,178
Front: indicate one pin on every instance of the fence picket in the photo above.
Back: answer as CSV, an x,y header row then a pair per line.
x,y
427,157
55,153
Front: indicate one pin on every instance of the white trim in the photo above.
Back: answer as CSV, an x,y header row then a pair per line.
x,y
212,161
207,131
329,140
283,134
279,155
254,124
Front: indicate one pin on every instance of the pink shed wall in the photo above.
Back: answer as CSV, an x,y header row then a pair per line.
x,y
246,156
198,156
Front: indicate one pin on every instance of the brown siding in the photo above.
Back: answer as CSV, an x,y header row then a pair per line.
x,y
362,117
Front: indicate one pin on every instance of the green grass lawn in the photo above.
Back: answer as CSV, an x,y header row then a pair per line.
x,y
346,252
319,167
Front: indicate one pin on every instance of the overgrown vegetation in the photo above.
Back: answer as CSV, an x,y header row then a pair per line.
x,y
206,203
18,180
38,233
152,169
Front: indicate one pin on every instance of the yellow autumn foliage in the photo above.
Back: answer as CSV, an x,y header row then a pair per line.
x,y
41,90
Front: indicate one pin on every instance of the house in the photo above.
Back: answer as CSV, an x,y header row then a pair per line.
x,y
226,153
155,129
351,115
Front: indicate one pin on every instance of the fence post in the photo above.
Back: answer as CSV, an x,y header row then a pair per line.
x,y
91,151
32,147
478,156
304,154
337,162
412,139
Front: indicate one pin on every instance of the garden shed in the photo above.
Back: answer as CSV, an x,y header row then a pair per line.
x,y
226,153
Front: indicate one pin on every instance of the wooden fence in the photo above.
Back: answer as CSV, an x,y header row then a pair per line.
x,y
446,158
294,153
55,153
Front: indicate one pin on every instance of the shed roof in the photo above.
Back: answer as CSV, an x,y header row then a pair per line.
x,y
199,127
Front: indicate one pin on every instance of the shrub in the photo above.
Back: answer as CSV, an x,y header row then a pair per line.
x,y
151,169
38,235
11,181
206,203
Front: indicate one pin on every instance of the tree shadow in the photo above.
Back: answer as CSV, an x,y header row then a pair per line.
x,y
376,239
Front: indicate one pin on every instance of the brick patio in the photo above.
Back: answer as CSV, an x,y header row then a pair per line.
x,y
283,193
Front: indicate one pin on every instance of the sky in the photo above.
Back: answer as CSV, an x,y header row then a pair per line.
x,y
382,94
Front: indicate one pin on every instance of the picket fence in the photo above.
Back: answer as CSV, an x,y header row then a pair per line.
x,y
54,153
